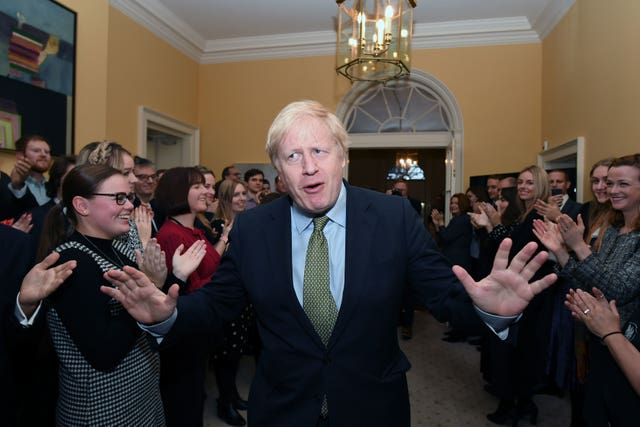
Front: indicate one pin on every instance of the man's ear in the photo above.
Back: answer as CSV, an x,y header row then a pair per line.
x,y
19,155
80,205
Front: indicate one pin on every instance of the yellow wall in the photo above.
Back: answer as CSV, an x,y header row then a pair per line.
x,y
498,89
238,102
590,79
145,70
91,71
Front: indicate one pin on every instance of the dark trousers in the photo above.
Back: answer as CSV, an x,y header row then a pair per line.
x,y
182,386
226,370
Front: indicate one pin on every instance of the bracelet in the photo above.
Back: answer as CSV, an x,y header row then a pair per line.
x,y
224,239
610,333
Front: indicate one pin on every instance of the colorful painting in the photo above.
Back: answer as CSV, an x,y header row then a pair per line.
x,y
37,43
37,49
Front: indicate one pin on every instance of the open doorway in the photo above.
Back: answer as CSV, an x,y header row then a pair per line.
x,y
369,168
166,141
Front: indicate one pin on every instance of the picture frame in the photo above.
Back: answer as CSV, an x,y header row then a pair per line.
x,y
37,73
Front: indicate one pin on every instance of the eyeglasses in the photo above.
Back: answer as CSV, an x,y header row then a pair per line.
x,y
121,198
143,177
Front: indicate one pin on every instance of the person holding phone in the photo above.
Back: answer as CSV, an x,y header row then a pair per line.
x,y
559,203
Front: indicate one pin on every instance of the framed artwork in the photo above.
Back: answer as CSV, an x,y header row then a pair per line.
x,y
37,72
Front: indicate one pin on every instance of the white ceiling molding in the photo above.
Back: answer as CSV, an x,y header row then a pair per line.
x,y
478,32
163,23
551,15
294,45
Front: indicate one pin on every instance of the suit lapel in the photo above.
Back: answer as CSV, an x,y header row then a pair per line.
x,y
278,235
359,239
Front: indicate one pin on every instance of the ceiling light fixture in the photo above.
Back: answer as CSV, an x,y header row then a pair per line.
x,y
374,39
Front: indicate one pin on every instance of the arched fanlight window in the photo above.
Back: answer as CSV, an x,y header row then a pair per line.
x,y
399,106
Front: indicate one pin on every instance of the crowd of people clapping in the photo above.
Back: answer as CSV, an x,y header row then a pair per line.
x,y
108,210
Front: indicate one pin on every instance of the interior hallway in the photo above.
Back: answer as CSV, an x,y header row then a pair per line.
x,y
445,384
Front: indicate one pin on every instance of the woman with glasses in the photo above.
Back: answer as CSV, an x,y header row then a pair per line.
x,y
115,155
108,372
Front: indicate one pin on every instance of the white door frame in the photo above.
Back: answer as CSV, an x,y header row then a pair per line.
x,y
567,155
190,135
451,140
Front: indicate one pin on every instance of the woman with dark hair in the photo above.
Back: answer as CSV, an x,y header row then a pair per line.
x,y
181,195
108,373
614,268
455,238
476,195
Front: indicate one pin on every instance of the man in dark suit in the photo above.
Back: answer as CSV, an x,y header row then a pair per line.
x,y
559,203
327,320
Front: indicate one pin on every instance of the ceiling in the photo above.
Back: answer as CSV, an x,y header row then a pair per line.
x,y
214,31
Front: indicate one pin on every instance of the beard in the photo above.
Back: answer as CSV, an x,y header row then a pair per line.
x,y
40,169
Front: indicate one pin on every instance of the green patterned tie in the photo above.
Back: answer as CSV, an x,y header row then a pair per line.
x,y
318,302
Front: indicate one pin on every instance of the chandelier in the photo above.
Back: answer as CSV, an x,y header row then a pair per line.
x,y
374,39
406,169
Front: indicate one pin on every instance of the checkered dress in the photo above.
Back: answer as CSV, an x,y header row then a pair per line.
x,y
127,395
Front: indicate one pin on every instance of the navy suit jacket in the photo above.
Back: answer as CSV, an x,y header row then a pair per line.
x,y
10,206
572,208
362,369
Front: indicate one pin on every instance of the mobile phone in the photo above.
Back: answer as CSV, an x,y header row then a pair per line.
x,y
556,191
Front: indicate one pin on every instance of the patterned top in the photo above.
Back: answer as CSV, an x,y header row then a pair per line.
x,y
109,375
614,269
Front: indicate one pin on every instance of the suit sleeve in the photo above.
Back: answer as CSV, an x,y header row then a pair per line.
x,y
202,313
429,273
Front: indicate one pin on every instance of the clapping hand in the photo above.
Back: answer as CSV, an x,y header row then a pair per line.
x,y
153,263
186,263
20,172
23,223
572,233
550,210
143,217
494,216
42,280
600,316
506,291
480,220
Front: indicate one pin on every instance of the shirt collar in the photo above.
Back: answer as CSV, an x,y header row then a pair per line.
x,y
337,214
34,181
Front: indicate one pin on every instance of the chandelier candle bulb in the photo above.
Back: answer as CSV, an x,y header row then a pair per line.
x,y
383,51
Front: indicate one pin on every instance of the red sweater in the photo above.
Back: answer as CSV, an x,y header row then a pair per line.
x,y
171,235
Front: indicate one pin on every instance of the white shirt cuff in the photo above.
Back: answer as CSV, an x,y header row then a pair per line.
x,y
498,324
22,318
159,330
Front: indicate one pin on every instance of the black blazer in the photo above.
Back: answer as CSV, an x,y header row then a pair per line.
x,y
572,208
15,262
362,369
10,206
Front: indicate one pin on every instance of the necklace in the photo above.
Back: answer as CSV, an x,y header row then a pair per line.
x,y
120,265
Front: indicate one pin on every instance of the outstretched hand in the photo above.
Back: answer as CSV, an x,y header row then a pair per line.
x,y
42,280
506,291
139,296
